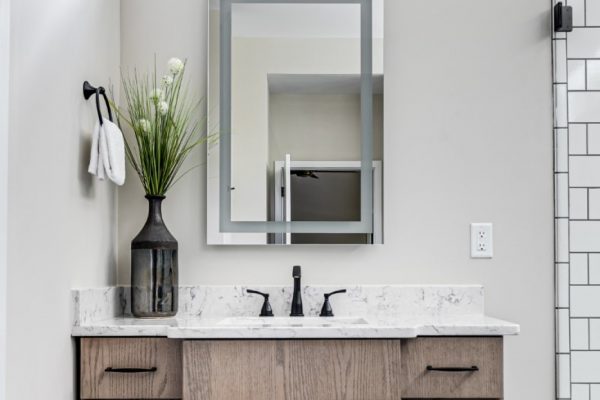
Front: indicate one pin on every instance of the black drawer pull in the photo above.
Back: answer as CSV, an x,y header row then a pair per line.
x,y
453,369
130,370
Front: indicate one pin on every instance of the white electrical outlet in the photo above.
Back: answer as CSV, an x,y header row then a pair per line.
x,y
481,240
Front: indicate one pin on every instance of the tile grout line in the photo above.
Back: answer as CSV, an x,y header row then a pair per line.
x,y
566,62
555,133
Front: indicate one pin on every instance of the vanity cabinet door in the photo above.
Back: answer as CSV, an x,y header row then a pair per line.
x,y
291,370
230,370
130,368
452,368
342,369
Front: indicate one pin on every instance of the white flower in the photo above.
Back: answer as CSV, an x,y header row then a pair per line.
x,y
163,108
155,95
144,124
167,80
175,65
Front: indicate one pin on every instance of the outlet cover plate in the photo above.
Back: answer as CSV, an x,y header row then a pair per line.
x,y
482,244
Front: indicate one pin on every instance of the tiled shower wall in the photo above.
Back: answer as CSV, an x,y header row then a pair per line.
x,y
577,203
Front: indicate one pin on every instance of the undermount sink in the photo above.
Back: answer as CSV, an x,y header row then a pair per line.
x,y
266,322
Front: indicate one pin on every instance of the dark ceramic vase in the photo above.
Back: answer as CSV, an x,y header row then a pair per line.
x,y
154,281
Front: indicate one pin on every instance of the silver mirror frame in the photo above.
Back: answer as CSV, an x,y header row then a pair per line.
x,y
365,225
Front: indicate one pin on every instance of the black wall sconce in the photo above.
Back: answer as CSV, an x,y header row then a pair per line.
x,y
563,18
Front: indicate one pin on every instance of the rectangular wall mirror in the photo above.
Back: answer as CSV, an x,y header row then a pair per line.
x,y
296,97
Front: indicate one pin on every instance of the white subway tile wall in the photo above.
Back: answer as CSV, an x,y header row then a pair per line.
x,y
580,392
592,13
578,202
562,282
560,64
584,236
593,74
562,195
584,366
595,335
561,150
594,269
594,392
582,106
579,334
563,342
576,71
560,107
563,376
584,171
577,138
562,241
579,269
585,302
576,68
583,43
578,12
594,203
577,209
593,138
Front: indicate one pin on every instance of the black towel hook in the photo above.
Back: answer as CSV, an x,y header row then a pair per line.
x,y
89,90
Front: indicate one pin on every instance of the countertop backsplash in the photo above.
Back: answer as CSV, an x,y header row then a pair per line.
x,y
225,301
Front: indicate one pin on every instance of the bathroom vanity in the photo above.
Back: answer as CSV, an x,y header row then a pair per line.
x,y
362,369
385,342
298,160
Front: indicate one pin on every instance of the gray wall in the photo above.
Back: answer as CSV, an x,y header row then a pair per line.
x,y
320,127
4,83
62,225
468,122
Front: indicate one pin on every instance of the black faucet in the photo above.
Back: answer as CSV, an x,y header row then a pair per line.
x,y
266,310
326,310
297,296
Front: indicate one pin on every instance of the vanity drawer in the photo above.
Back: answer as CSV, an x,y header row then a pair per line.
x,y
431,367
130,368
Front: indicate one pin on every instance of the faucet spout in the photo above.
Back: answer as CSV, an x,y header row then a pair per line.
x,y
297,296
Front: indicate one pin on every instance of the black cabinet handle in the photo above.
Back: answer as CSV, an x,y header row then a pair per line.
x,y
453,369
130,370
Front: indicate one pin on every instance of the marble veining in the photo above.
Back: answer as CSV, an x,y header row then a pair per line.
x,y
97,304
396,327
394,311
373,300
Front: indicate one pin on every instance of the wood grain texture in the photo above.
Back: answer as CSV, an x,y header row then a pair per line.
x,y
229,370
292,370
97,354
342,369
483,352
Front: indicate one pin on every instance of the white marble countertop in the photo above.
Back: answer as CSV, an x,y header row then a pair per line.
x,y
227,313
397,327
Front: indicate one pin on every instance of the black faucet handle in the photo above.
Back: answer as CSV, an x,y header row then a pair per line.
x,y
334,292
252,291
326,310
266,310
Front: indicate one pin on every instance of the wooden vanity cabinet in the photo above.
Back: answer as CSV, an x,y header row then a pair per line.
x,y
130,368
452,368
292,369
302,369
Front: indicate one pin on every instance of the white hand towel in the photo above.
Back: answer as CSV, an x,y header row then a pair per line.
x,y
112,152
95,152
107,155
